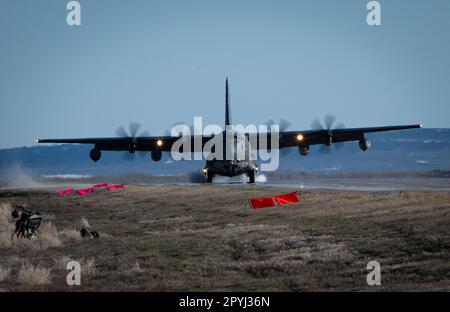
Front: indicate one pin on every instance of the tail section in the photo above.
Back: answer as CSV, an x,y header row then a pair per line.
x,y
227,105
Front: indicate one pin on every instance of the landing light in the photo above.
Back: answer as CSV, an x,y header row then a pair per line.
x,y
159,143
300,137
36,141
205,170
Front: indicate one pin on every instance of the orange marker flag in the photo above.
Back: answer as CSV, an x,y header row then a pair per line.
x,y
290,198
262,202
283,199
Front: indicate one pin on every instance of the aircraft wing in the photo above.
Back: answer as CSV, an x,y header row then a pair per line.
x,y
286,139
161,143
314,137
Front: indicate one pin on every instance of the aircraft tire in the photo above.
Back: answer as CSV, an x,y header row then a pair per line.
x,y
251,176
209,177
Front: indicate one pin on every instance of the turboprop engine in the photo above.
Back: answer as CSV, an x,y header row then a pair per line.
x,y
303,150
364,144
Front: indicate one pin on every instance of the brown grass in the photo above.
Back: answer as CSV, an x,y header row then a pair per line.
x,y
6,225
136,268
88,267
61,263
4,273
203,238
85,223
47,237
30,275
70,235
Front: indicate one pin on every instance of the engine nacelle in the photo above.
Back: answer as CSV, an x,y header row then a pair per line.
x,y
95,154
156,155
364,144
303,150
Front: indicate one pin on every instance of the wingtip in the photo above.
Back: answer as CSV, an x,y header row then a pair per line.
x,y
36,141
420,125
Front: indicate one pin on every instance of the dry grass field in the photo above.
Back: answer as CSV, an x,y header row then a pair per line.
x,y
203,237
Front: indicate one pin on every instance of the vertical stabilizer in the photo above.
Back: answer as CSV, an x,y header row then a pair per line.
x,y
227,105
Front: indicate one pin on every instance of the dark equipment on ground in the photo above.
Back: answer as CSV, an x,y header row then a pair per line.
x,y
28,222
85,233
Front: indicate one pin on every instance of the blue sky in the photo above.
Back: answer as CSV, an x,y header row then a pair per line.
x,y
160,62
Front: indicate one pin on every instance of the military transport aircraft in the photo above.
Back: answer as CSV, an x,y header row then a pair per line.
x,y
237,165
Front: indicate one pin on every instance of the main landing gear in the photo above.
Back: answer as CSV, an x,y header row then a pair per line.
x,y
209,177
251,176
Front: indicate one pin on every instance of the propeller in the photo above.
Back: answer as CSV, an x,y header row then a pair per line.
x,y
180,123
328,125
283,125
133,131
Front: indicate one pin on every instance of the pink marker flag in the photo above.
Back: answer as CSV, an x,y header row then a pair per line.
x,y
85,191
65,192
100,185
113,187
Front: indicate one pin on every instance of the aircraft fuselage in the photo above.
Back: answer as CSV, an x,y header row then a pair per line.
x,y
237,158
